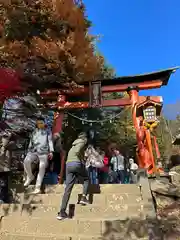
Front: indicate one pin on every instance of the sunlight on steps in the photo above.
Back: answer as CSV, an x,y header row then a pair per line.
x,y
116,211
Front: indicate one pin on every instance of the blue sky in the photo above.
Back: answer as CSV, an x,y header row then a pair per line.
x,y
140,36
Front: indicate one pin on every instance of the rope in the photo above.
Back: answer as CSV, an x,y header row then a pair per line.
x,y
6,110
98,121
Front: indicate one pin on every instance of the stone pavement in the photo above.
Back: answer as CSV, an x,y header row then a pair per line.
x,y
118,211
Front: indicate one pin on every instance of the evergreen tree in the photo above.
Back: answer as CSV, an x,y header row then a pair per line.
x,y
164,137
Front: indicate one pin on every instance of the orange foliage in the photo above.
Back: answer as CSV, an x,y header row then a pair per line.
x,y
56,31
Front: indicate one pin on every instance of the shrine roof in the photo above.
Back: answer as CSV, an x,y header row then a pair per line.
x,y
162,75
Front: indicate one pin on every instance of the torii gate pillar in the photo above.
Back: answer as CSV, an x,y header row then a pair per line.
x,y
144,151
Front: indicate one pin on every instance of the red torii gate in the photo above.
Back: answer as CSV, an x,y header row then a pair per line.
x,y
11,84
132,85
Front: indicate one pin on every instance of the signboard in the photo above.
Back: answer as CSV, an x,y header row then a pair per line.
x,y
95,94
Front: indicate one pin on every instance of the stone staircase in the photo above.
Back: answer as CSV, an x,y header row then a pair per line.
x,y
119,211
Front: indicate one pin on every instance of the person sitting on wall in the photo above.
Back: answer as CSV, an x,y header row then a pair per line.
x,y
40,148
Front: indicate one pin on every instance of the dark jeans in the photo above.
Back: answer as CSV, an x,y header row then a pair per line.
x,y
103,177
50,178
117,176
4,187
93,175
74,171
55,164
133,177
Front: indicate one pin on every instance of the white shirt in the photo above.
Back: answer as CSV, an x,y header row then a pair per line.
x,y
118,162
41,141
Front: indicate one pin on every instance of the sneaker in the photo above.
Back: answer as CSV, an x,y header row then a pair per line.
x,y
28,181
62,215
36,191
84,201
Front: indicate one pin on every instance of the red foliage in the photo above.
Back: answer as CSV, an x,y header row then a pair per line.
x,y
9,83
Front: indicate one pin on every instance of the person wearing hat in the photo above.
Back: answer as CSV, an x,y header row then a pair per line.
x,y
75,168
40,149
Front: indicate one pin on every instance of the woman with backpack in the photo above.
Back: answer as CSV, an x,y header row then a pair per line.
x,y
75,168
94,161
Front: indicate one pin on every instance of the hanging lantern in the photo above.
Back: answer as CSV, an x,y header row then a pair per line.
x,y
150,111
150,114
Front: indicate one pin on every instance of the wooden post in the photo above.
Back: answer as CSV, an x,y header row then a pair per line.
x,y
58,116
151,156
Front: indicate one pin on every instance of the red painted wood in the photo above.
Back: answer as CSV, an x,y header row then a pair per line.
x,y
58,116
105,89
156,148
106,103
144,145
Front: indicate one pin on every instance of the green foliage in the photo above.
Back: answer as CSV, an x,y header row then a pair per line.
x,y
121,131
164,139
73,126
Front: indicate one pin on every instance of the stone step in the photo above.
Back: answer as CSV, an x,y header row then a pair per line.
x,y
39,228
98,199
27,237
121,211
95,189
7,236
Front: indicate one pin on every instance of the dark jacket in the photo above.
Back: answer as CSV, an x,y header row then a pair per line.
x,y
57,144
